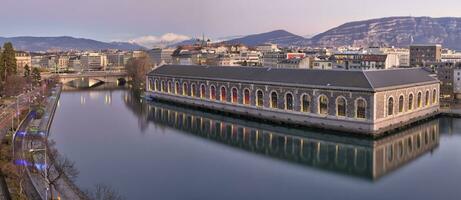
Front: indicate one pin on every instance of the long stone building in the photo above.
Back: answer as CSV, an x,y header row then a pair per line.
x,y
367,102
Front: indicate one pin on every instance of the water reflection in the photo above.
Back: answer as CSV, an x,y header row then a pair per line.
x,y
365,158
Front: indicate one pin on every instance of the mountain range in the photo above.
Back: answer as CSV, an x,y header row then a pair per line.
x,y
390,31
65,43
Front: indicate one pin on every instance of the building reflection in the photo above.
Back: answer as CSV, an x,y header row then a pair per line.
x,y
365,158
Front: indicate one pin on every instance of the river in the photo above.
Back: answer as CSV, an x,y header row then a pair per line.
x,y
161,151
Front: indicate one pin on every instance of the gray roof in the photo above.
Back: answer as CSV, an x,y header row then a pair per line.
x,y
371,80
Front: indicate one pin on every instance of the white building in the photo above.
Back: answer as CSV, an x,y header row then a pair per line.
x,y
268,47
93,61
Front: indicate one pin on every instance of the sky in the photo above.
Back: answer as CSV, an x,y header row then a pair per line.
x,y
155,20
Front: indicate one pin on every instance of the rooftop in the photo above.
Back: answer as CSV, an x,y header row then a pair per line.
x,y
368,80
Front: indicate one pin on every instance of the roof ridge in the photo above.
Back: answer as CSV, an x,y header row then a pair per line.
x,y
368,80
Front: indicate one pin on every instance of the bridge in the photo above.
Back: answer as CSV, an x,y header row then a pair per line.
x,y
93,78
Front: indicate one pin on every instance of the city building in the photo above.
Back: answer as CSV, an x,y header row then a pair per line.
x,y
358,101
424,55
449,75
268,47
358,61
450,56
116,60
322,64
23,59
161,56
93,61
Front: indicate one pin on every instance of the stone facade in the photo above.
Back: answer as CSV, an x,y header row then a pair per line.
x,y
372,120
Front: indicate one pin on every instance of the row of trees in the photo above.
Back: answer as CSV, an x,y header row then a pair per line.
x,y
11,82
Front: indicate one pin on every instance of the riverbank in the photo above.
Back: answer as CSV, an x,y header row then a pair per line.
x,y
31,137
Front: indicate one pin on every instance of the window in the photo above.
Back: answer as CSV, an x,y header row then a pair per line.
x,y
427,98
360,110
246,97
434,96
234,95
274,101
289,101
193,90
170,87
390,106
202,91
341,107
184,89
410,102
163,86
419,100
223,94
305,103
323,105
259,98
176,91
400,104
213,92
151,85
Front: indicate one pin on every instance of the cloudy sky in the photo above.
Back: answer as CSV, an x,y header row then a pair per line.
x,y
155,20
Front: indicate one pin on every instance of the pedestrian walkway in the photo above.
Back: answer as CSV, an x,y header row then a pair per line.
x,y
64,189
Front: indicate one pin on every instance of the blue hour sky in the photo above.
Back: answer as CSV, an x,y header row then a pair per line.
x,y
109,20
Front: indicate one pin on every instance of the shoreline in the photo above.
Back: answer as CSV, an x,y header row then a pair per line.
x,y
45,125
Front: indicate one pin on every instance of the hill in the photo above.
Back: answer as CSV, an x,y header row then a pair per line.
x,y
65,43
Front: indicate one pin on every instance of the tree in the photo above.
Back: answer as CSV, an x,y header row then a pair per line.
x,y
138,68
36,78
8,65
57,168
26,71
14,85
103,192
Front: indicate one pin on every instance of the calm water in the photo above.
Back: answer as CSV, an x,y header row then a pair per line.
x,y
159,151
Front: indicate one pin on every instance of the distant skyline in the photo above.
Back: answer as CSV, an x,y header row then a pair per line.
x,y
155,20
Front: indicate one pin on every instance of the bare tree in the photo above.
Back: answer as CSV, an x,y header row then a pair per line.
x,y
103,192
137,68
14,85
57,168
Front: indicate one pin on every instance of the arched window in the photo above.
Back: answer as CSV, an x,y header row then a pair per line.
x,y
360,109
163,86
274,101
246,97
212,92
234,95
390,106
259,98
305,103
176,91
193,90
434,96
151,85
170,87
202,91
289,101
419,100
341,107
223,94
156,87
323,105
410,102
427,98
400,104
185,89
